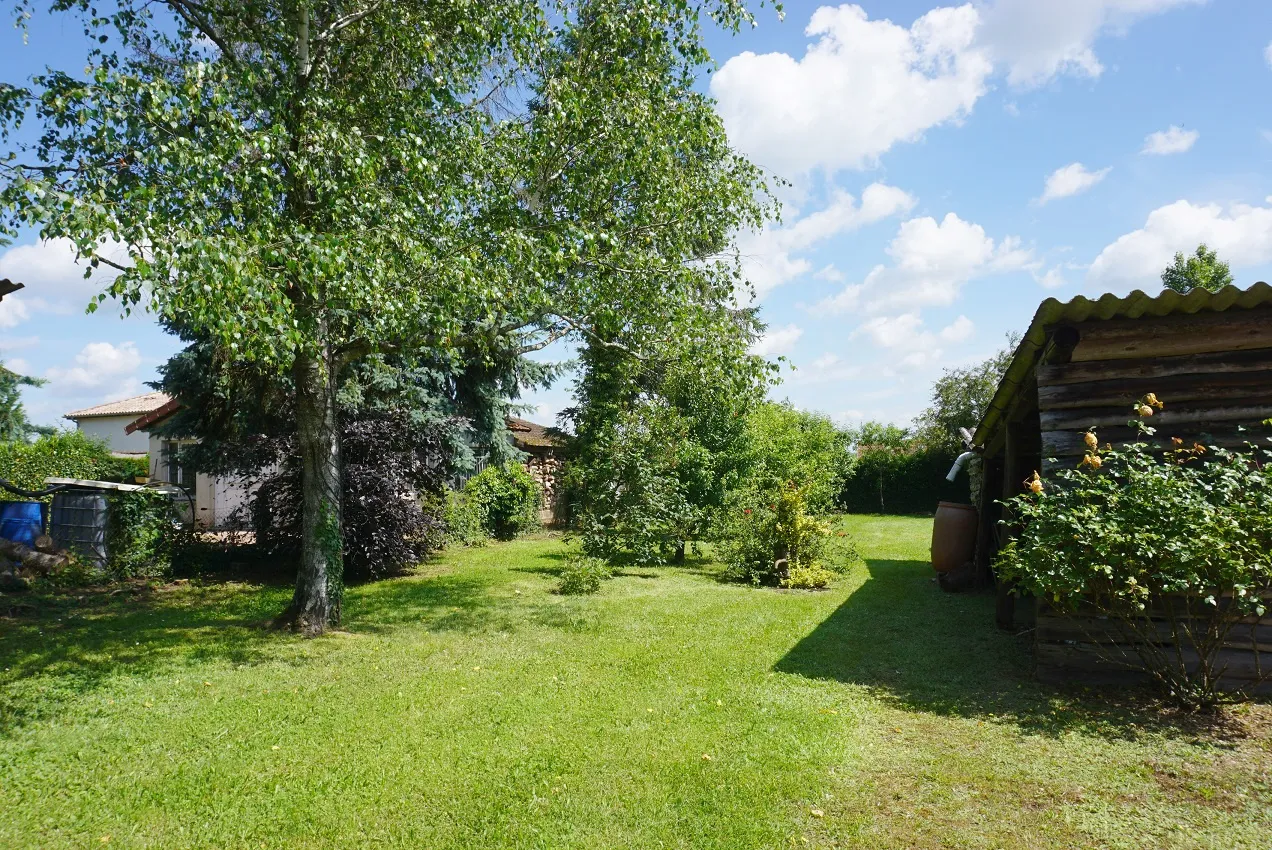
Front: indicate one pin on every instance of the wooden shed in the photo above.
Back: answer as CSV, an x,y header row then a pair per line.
x,y
1081,365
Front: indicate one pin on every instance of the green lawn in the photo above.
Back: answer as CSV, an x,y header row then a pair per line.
x,y
470,707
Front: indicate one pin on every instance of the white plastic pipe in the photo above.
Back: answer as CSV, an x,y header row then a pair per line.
x,y
959,463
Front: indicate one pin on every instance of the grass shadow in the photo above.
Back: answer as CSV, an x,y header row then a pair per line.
x,y
71,643
925,650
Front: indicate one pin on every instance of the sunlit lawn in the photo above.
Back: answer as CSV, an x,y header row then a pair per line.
x,y
470,707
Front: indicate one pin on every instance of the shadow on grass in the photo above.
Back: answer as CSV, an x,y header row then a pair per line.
x,y
929,651
59,645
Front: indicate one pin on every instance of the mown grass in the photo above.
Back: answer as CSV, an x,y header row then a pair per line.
x,y
469,706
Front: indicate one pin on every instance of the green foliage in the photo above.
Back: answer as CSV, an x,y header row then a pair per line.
x,y
960,398
660,446
140,535
63,454
464,520
1134,531
14,424
506,498
904,479
1203,270
778,542
583,575
787,444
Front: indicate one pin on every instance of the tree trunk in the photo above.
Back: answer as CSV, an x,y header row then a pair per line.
x,y
320,578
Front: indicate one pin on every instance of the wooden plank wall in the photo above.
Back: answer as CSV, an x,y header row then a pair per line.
x,y
1087,649
1212,371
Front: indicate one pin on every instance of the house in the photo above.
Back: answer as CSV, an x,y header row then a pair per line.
x,y
109,423
1081,365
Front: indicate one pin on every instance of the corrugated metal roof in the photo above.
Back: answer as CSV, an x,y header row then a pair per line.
x,y
1138,303
124,407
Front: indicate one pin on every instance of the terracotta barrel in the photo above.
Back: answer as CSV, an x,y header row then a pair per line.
x,y
953,536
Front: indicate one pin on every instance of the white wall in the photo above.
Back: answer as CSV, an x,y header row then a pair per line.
x,y
111,430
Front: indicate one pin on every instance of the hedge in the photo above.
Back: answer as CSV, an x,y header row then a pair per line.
x,y
894,481
65,454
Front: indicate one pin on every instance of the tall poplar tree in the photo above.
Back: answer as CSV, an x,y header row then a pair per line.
x,y
310,183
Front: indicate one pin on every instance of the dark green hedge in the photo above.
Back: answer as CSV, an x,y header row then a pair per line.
x,y
898,482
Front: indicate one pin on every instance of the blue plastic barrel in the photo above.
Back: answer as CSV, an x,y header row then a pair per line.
x,y
22,522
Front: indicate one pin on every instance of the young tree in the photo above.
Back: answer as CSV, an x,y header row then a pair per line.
x,y
14,424
309,184
1203,270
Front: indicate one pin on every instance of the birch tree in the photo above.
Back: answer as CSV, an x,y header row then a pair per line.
x,y
311,183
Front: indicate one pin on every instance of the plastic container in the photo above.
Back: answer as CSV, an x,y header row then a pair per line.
x,y
22,522
953,536
78,522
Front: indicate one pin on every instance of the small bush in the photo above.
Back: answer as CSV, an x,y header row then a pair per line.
x,y
583,575
507,499
772,540
140,535
808,577
464,521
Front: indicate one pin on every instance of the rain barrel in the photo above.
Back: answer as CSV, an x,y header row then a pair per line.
x,y
78,522
953,536
22,522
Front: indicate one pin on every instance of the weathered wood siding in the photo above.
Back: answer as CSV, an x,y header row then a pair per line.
x,y
1089,649
1212,371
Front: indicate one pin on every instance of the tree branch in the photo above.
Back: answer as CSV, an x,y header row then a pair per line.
x,y
190,13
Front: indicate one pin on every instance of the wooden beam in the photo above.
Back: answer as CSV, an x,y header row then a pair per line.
x,y
1070,444
1172,336
1164,420
1218,363
1243,388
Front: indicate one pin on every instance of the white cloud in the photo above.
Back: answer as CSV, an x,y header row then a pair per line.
x,y
100,368
769,258
1240,234
960,330
892,331
860,88
1072,179
828,368
1172,140
931,263
13,311
1052,279
831,273
905,333
1038,40
1267,54
777,341
54,278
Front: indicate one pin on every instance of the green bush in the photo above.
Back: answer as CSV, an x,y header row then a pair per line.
x,y
140,534
583,575
1174,547
464,521
773,540
786,444
506,498
65,454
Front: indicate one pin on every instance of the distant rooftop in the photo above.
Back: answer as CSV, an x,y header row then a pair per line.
x,y
134,406
531,434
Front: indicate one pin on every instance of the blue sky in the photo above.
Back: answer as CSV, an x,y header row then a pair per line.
x,y
950,167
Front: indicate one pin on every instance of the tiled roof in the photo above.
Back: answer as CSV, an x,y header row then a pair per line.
x,y
134,406
1053,312
526,433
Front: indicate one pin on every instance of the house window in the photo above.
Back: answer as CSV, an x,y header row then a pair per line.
x,y
177,472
